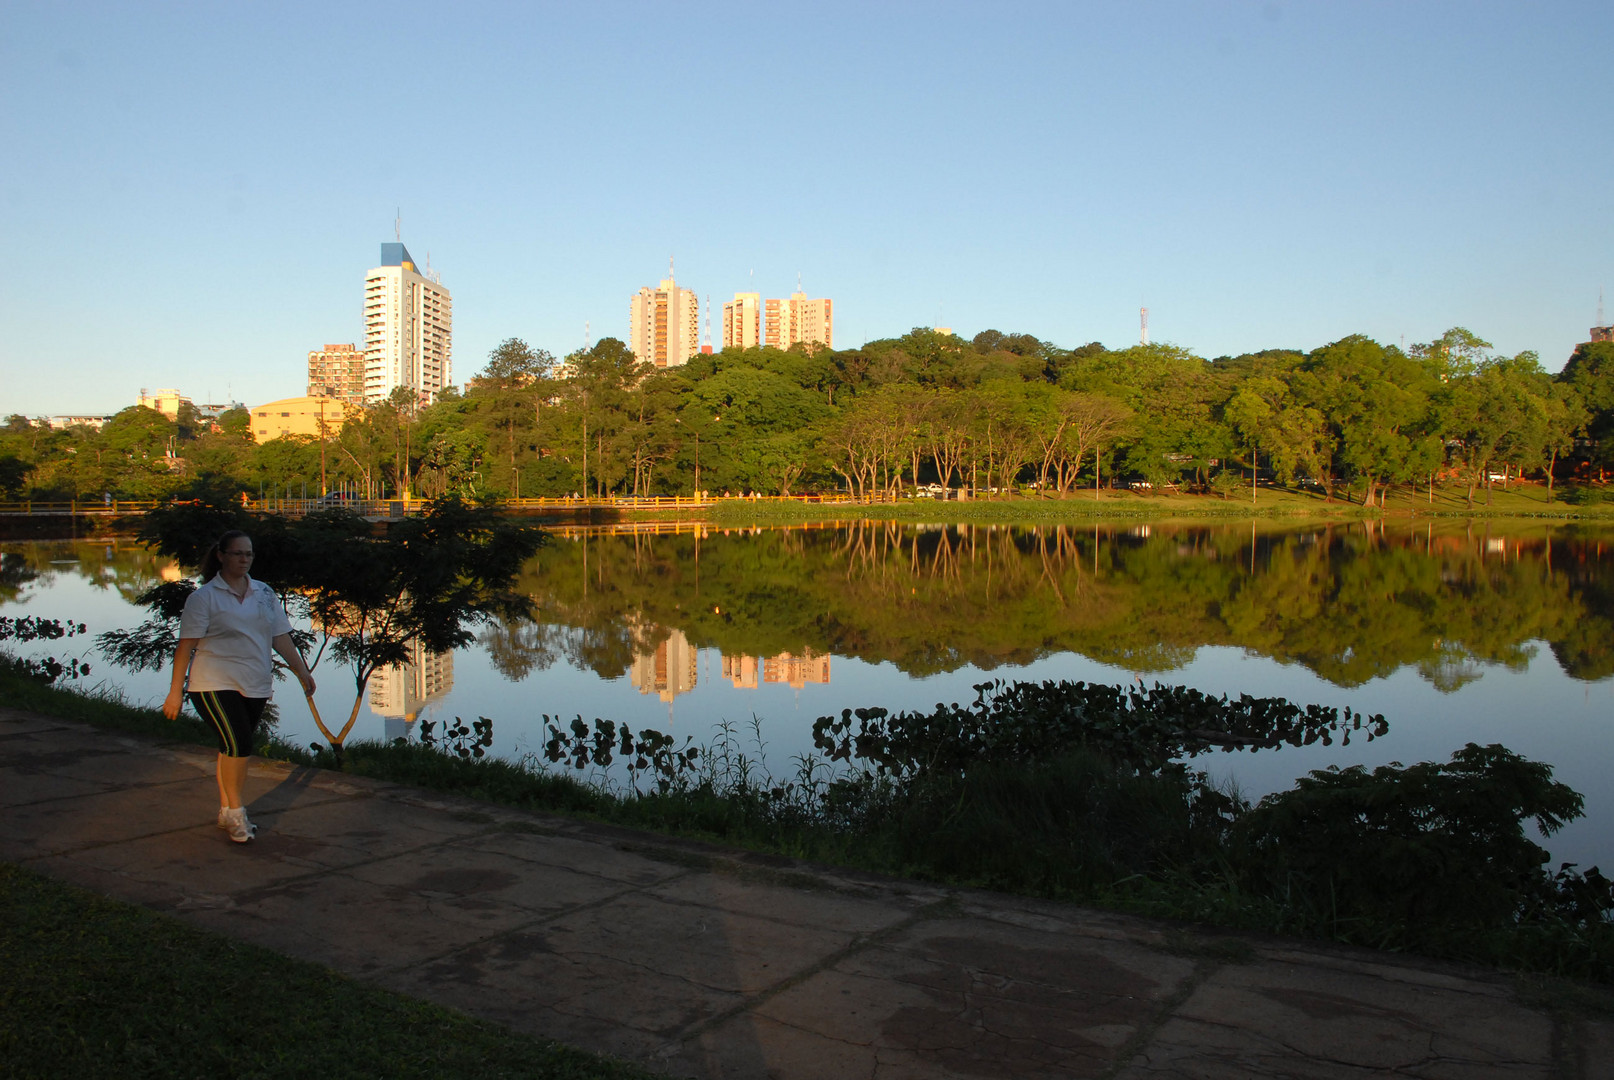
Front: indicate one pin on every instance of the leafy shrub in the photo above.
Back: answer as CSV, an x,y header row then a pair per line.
x,y
1584,494
1023,721
33,628
1400,853
1229,484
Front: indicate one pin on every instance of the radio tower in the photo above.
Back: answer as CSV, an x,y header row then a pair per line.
x,y
1143,317
706,342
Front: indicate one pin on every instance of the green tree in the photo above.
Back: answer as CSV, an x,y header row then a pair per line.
x,y
1590,371
431,579
1374,401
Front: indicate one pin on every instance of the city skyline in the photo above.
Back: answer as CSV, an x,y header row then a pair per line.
x,y
1257,174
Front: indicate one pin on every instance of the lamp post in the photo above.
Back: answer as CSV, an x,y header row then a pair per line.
x,y
323,489
680,422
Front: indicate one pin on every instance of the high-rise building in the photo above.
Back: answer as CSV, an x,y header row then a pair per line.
x,y
785,322
337,371
664,324
742,321
408,329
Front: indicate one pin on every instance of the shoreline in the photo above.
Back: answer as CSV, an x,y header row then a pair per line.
x,y
1525,503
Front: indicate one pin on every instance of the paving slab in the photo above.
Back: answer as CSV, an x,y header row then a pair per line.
x,y
1268,1017
1596,1049
706,962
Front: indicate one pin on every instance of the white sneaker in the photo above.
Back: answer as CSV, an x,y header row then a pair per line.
x,y
234,820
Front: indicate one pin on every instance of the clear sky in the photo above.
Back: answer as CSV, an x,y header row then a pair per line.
x,y
190,194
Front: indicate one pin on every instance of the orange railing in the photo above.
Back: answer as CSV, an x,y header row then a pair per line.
x,y
384,508
79,506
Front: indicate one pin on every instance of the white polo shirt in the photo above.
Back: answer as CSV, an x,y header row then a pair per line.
x,y
235,637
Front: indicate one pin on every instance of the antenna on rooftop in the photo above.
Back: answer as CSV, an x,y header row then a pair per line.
x,y
670,274
1143,317
397,226
798,281
588,336
1600,320
706,341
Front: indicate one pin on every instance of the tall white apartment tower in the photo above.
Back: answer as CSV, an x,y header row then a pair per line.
x,y
742,321
664,324
408,329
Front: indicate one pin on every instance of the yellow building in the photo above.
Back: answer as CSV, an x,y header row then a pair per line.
x,y
786,322
664,324
166,402
742,319
297,416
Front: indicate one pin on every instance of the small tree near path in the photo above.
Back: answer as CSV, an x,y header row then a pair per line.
x,y
432,579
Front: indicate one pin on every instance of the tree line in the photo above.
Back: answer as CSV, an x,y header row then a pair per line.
x,y
1353,418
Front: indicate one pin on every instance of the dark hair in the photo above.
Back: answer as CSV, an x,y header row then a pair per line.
x,y
213,562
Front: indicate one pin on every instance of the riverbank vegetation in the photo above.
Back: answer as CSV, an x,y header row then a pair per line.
x,y
1353,420
1079,793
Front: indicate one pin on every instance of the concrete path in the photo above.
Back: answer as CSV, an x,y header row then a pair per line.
x,y
706,962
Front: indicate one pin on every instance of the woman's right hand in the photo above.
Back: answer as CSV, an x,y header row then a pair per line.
x,y
173,703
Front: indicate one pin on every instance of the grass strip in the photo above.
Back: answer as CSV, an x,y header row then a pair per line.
x,y
91,987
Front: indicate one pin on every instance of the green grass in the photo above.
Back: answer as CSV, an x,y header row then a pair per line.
x,y
90,987
103,707
1518,500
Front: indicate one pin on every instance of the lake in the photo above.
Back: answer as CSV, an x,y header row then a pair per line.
x,y
1455,631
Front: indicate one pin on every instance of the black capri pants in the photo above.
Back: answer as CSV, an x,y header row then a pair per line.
x,y
234,718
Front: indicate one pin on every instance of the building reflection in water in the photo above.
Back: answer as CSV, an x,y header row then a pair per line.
x,y
398,692
787,668
667,670
741,671
797,671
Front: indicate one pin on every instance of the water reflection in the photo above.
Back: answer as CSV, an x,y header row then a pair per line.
x,y
1456,632
1351,602
399,692
666,670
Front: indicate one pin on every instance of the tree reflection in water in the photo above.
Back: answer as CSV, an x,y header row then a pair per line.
x,y
1349,601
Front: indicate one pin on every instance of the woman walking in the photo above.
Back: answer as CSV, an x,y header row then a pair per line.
x,y
229,626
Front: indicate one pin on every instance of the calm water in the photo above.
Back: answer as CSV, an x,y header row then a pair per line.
x,y
1454,632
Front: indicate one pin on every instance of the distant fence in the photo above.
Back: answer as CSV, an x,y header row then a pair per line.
x,y
397,508
87,507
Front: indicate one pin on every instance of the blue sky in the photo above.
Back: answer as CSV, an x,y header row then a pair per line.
x,y
190,194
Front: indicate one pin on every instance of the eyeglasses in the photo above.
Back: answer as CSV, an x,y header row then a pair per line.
x,y
238,554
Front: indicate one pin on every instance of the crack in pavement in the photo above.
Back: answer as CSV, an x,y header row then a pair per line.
x,y
859,943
